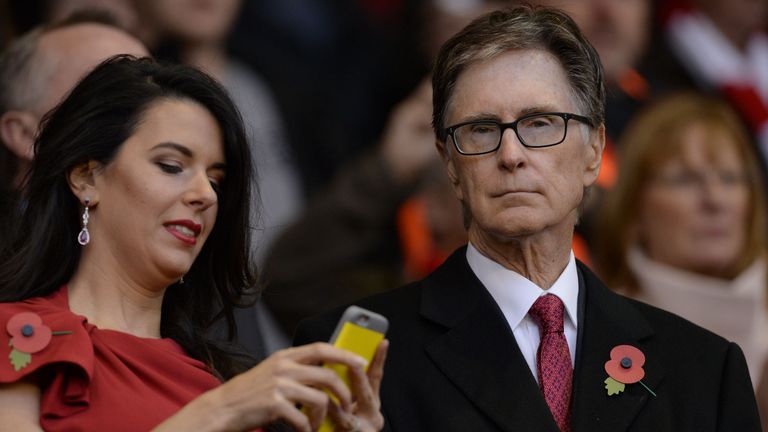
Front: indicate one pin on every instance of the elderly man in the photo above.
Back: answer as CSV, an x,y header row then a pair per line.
x,y
511,333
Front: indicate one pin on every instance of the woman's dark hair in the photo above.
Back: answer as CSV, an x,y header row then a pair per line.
x,y
97,117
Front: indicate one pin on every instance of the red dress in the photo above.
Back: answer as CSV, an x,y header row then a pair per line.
x,y
99,380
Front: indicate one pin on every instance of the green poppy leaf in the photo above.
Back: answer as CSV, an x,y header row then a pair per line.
x,y
613,386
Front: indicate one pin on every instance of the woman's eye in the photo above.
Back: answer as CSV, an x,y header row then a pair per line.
x,y
216,186
168,168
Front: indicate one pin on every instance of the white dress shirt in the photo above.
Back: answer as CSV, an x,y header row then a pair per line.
x,y
515,295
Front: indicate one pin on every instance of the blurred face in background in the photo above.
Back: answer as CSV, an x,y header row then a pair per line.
x,y
694,211
618,29
193,21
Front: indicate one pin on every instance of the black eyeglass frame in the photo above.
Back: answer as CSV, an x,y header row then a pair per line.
x,y
451,130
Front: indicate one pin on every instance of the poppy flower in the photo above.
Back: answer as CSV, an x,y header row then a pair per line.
x,y
626,364
28,333
625,367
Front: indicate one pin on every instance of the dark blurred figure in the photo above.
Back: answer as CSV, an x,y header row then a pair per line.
x,y
6,32
36,71
337,68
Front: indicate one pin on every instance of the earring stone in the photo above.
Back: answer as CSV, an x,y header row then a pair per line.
x,y
85,237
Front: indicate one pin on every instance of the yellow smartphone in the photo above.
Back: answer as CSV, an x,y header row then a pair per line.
x,y
359,331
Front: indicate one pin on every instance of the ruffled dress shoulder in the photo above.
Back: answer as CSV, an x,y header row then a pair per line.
x,y
93,379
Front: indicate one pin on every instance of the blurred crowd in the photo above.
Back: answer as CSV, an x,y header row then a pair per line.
x,y
352,198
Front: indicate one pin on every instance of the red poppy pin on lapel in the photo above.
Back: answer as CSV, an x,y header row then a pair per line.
x,y
625,367
28,336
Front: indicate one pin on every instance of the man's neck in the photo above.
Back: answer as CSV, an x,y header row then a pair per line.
x,y
540,258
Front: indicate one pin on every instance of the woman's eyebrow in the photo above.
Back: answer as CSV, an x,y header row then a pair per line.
x,y
175,146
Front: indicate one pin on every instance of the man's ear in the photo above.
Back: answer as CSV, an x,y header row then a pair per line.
x,y
17,132
450,165
594,155
82,181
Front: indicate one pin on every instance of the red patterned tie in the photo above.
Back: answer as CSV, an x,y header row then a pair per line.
x,y
554,359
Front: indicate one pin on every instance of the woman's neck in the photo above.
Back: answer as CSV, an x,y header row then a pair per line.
x,y
113,301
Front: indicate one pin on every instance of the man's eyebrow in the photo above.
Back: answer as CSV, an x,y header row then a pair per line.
x,y
538,109
487,116
480,117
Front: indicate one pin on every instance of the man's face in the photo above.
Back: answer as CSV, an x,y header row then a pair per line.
x,y
516,191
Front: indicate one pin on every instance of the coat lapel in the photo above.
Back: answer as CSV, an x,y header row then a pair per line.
x,y
478,352
608,320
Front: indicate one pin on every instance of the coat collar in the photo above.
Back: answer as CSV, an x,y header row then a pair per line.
x,y
479,354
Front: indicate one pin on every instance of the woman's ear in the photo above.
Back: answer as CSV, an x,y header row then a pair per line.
x,y
82,181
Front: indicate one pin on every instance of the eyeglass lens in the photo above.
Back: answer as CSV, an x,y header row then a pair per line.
x,y
536,131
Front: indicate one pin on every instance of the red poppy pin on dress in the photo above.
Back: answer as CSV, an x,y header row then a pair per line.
x,y
28,336
625,367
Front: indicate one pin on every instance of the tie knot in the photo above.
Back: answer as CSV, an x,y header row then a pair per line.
x,y
547,311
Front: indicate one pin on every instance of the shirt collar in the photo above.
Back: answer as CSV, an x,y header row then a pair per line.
x,y
515,294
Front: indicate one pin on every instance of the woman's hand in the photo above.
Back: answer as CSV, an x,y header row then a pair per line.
x,y
272,390
366,410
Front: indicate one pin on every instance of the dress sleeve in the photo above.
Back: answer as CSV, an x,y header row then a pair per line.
x,y
40,338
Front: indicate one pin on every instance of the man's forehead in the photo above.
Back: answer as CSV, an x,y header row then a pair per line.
x,y
90,38
67,54
526,80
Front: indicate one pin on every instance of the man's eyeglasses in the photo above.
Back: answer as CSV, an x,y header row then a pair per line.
x,y
533,130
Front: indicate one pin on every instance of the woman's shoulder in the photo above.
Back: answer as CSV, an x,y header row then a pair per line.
x,y
40,331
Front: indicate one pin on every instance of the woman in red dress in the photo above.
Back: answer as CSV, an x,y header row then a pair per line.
x,y
132,243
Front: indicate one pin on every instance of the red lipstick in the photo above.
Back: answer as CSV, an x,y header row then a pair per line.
x,y
188,232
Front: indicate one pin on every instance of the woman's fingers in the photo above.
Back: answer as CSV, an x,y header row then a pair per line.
x,y
323,378
322,352
315,402
294,417
376,370
364,397
343,420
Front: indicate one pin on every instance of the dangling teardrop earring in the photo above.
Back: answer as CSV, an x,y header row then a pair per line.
x,y
84,237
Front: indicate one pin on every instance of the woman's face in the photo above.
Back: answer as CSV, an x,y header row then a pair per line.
x,y
157,200
694,210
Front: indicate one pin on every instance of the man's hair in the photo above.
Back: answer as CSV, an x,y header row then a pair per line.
x,y
520,28
16,92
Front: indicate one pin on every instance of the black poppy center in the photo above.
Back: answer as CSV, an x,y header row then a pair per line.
x,y
626,362
27,330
